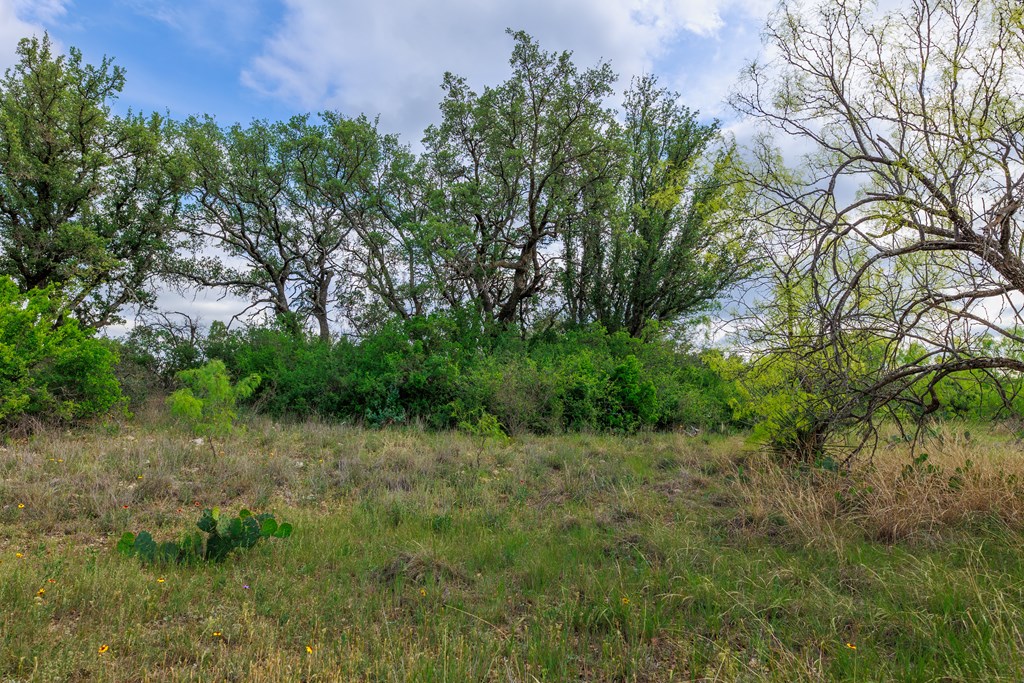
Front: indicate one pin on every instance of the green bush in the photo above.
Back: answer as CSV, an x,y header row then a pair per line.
x,y
50,368
154,352
406,371
439,369
207,402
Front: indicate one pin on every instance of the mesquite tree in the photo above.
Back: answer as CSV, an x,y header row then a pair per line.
x,y
904,217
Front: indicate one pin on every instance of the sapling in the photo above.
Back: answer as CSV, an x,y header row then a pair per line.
x,y
208,399
484,427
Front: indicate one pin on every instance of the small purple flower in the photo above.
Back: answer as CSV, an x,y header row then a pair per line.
x,y
246,586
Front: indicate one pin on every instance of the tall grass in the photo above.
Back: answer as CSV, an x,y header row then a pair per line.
x,y
952,479
441,557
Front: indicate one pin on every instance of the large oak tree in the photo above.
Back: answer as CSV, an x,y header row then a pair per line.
x,y
511,167
88,200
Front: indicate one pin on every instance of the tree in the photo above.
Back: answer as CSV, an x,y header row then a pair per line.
x,y
208,399
509,169
88,200
278,201
239,208
674,239
333,194
388,267
905,216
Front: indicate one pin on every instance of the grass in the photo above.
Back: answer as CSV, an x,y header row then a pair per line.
x,y
440,557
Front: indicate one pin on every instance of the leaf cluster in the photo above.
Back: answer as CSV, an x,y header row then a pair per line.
x,y
50,367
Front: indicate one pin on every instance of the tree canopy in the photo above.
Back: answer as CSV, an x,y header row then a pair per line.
x,y
903,220
88,200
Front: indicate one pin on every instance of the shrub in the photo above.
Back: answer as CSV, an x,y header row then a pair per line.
x,y
155,351
208,400
439,369
50,367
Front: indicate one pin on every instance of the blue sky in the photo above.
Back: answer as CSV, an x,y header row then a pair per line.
x,y
273,58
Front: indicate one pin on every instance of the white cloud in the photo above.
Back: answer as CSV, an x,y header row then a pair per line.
x,y
23,18
44,11
388,57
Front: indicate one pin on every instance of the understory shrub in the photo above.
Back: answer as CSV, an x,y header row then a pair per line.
x,y
207,401
50,368
436,370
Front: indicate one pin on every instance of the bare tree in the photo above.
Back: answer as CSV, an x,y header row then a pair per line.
x,y
904,217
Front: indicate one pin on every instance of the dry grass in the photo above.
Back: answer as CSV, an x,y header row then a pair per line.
x,y
888,497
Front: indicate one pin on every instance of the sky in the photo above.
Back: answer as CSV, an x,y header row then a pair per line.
x,y
271,59
274,58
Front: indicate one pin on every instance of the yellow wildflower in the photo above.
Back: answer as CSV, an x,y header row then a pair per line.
x,y
309,650
103,648
851,646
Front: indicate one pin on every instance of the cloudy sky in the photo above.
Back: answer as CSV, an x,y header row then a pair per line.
x,y
272,58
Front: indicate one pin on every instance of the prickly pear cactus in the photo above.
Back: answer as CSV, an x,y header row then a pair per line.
x,y
223,535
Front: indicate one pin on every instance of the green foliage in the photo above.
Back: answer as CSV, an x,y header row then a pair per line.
x,y
798,395
482,424
88,200
154,352
588,379
633,401
446,372
223,535
669,235
510,168
789,403
163,350
270,198
50,367
207,402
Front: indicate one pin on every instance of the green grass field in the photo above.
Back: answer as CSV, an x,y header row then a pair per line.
x,y
437,557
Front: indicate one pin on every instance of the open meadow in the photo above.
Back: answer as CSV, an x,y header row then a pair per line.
x,y
444,557
506,358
